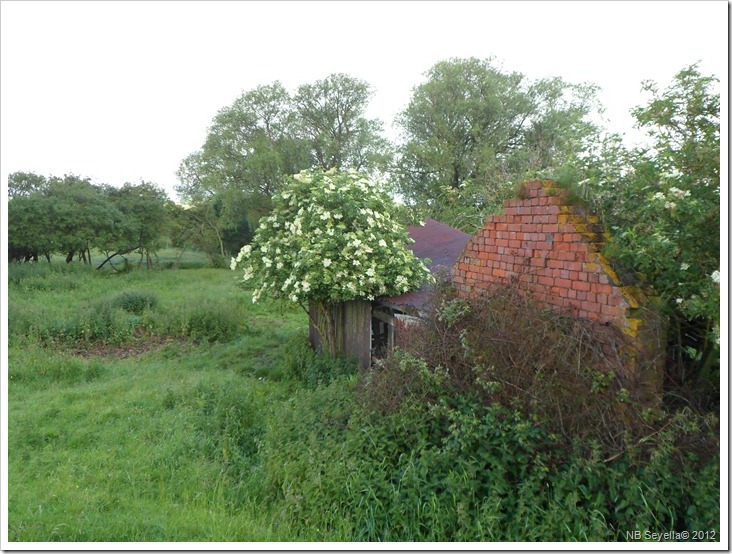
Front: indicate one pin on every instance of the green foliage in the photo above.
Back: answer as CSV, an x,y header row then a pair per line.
x,y
143,208
456,469
21,183
473,130
330,238
208,446
135,302
259,140
211,322
662,208
36,367
304,365
330,116
73,216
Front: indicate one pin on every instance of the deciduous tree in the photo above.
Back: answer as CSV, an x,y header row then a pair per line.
x,y
472,131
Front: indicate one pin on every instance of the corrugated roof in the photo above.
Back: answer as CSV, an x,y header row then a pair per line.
x,y
443,245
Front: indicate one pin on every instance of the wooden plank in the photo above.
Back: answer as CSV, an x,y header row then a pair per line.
x,y
352,330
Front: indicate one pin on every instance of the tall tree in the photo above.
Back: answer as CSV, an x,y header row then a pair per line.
x,y
331,116
471,131
264,136
23,183
250,147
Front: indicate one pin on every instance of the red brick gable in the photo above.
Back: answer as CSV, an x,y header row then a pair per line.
x,y
552,250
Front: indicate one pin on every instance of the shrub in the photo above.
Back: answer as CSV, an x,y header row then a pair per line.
x,y
135,302
451,467
507,350
212,322
99,322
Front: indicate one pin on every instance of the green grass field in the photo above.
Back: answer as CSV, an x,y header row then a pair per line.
x,y
129,436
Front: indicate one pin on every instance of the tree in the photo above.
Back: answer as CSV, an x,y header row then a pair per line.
x,y
23,183
266,135
662,206
331,118
472,131
143,209
330,238
250,147
228,183
30,229
83,216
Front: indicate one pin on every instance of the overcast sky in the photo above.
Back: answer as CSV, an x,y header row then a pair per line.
x,y
123,91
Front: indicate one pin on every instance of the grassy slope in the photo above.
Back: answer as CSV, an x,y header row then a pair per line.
x,y
105,447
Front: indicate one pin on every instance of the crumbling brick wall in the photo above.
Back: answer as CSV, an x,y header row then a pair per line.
x,y
552,250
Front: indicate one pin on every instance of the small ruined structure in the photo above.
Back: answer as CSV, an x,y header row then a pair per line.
x,y
366,330
442,245
546,246
551,249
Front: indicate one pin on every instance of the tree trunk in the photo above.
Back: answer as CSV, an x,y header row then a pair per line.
x,y
112,256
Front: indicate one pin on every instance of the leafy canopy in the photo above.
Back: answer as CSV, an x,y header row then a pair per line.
x,y
331,237
471,131
662,206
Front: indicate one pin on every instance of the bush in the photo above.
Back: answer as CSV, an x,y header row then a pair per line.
x,y
135,302
507,350
454,468
96,323
212,322
512,427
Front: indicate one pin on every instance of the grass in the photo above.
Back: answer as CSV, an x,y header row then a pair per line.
x,y
164,406
146,436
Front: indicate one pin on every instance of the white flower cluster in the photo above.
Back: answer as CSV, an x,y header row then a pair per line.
x,y
330,237
678,193
673,192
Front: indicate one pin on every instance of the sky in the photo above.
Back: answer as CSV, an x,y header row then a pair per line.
x,y
123,91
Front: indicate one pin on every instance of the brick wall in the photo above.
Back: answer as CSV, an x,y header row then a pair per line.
x,y
552,250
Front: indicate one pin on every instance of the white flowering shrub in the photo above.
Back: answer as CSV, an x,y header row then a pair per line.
x,y
662,207
330,238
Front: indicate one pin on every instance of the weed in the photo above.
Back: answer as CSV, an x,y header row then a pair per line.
x,y
135,302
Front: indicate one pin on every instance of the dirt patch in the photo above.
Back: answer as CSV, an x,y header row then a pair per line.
x,y
141,345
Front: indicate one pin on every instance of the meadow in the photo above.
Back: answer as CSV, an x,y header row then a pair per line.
x,y
163,405
124,418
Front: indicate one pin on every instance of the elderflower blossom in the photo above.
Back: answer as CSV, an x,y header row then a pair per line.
x,y
679,193
684,266
670,205
715,276
284,259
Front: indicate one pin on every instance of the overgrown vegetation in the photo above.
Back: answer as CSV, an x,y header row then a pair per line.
x,y
440,446
163,434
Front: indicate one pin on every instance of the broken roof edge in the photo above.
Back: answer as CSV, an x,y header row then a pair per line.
x,y
442,245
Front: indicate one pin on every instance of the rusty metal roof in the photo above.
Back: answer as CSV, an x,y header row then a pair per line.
x,y
443,245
